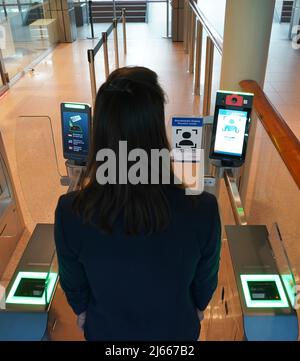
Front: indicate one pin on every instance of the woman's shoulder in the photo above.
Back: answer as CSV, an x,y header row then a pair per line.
x,y
204,199
65,201
197,209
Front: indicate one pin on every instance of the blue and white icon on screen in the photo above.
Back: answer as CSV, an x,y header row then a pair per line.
x,y
186,136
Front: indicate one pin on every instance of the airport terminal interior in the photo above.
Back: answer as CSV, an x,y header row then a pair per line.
x,y
212,57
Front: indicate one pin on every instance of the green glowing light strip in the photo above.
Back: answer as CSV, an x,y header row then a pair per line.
x,y
240,210
290,287
11,298
230,92
74,105
282,303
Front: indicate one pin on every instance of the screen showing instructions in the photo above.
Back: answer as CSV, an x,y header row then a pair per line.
x,y
230,133
76,133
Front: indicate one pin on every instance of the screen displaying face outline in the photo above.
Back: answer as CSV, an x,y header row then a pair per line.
x,y
76,133
230,132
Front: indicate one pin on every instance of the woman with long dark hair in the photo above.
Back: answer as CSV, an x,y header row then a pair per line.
x,y
137,260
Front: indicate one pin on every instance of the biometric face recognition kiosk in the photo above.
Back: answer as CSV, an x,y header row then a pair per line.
x,y
76,124
230,129
29,295
265,302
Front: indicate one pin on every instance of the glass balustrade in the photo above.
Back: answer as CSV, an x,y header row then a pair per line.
x,y
27,31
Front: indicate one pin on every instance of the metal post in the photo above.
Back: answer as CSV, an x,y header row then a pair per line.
x,y
292,21
91,20
168,19
188,20
235,199
115,21
209,62
114,9
91,60
192,44
124,30
105,53
4,8
75,173
3,73
86,11
198,58
185,32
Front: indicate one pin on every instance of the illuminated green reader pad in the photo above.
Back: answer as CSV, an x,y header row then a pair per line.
x,y
264,291
32,288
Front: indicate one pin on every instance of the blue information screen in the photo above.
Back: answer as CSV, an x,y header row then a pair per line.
x,y
76,134
230,133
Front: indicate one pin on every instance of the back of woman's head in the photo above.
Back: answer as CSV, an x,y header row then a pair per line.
x,y
130,107
128,115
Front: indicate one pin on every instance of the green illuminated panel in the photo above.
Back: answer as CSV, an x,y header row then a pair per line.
x,y
74,105
273,281
289,283
12,298
231,92
240,211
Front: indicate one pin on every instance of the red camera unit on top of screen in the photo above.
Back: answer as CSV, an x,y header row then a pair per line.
x,y
234,100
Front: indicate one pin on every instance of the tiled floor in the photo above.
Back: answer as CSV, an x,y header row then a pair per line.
x,y
26,111
282,82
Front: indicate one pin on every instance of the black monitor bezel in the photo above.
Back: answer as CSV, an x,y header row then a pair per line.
x,y
224,156
87,110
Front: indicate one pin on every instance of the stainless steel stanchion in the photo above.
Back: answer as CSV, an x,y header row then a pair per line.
x,y
208,76
124,30
198,58
91,60
192,44
105,53
115,21
185,26
114,9
91,20
167,20
188,28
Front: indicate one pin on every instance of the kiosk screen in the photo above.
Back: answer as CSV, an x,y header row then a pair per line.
x,y
230,135
76,120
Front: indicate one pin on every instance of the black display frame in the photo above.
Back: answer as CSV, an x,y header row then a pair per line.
x,y
86,109
235,101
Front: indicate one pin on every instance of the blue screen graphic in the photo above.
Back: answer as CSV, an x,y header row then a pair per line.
x,y
230,134
76,134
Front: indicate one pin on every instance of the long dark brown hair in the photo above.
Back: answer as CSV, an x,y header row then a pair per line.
x,y
129,107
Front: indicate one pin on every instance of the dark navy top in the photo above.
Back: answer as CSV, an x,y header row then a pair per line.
x,y
143,287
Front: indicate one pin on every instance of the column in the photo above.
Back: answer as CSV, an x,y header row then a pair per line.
x,y
247,32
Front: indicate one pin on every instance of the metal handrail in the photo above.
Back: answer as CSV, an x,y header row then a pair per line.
x,y
195,18
235,199
211,31
283,138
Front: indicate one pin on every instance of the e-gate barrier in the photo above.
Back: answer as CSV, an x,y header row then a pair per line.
x,y
266,301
